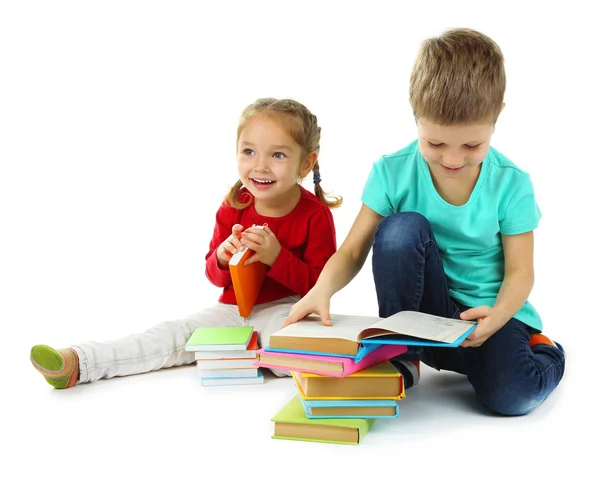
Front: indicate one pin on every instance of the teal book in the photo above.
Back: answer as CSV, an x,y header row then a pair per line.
x,y
235,380
219,339
324,409
291,423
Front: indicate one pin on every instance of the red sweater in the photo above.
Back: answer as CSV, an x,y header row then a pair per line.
x,y
307,239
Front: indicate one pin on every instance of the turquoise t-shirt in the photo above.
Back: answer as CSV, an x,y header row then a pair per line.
x,y
468,236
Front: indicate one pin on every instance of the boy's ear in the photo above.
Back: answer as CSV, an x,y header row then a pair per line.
x,y
502,108
308,164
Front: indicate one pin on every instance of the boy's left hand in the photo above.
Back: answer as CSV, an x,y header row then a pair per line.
x,y
488,323
264,242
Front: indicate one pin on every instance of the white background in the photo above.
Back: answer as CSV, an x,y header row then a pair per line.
x,y
117,143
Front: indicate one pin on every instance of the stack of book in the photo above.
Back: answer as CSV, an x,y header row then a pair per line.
x,y
225,355
344,378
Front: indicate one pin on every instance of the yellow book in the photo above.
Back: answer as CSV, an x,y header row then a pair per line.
x,y
379,382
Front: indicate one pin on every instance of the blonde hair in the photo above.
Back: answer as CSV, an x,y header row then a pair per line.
x,y
458,78
302,126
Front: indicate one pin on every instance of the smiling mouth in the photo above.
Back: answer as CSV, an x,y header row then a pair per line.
x,y
262,182
455,169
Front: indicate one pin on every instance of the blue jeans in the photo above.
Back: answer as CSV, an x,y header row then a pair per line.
x,y
508,376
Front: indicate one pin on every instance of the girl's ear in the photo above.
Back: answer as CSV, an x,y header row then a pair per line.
x,y
309,162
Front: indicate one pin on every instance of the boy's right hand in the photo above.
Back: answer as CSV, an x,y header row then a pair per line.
x,y
231,245
315,301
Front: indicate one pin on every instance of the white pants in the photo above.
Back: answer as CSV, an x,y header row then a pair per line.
x,y
163,346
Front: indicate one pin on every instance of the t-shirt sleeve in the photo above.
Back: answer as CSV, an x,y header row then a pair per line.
x,y
376,191
521,213
220,277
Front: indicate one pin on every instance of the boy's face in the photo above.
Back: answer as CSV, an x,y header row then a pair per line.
x,y
454,152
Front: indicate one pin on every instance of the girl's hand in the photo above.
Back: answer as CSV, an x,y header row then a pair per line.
x,y
315,301
488,323
265,244
231,245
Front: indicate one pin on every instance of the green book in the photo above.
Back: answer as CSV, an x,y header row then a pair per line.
x,y
219,339
291,423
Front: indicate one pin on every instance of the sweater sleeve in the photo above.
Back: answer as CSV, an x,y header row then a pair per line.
x,y
301,274
224,221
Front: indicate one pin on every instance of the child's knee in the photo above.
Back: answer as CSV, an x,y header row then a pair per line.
x,y
510,402
401,230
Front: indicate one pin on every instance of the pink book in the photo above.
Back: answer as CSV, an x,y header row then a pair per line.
x,y
327,365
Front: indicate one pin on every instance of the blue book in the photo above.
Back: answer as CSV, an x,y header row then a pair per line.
x,y
322,409
233,380
363,350
410,341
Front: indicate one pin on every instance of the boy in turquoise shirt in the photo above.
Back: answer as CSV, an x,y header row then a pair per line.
x,y
450,220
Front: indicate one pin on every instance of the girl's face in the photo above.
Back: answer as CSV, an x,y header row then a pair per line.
x,y
454,152
270,164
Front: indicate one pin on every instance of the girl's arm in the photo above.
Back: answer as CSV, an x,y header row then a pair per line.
x,y
217,274
515,289
341,268
300,274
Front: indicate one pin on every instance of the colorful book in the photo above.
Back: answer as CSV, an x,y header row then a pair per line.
x,y
379,382
219,339
348,332
249,380
291,423
247,280
249,352
228,373
324,364
225,364
320,409
364,349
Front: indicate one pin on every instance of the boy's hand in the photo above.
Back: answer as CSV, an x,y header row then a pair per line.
x,y
265,244
488,323
315,301
231,245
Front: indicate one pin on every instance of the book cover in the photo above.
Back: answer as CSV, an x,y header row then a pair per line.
x,y
249,380
247,280
219,338
325,364
363,350
348,332
379,382
225,364
320,409
249,352
227,373
291,423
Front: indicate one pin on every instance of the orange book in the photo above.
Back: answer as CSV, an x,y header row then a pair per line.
x,y
247,280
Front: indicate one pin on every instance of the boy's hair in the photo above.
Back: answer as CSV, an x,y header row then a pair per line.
x,y
302,126
458,78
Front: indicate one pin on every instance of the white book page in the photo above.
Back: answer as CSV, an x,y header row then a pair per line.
x,y
237,256
424,326
344,327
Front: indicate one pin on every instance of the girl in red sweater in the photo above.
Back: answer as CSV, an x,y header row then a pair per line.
x,y
277,147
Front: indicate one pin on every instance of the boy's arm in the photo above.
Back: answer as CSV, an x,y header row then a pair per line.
x,y
518,274
516,287
340,269
345,264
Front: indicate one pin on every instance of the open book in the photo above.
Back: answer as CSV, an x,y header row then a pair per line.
x,y
349,333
